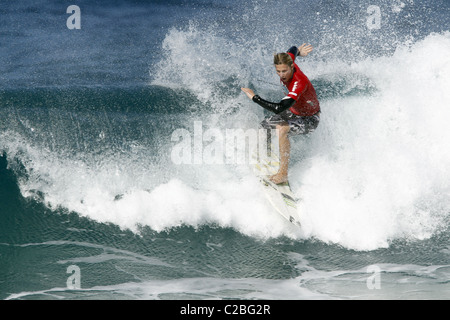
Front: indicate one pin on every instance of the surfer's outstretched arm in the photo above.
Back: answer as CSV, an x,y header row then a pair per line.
x,y
274,107
283,105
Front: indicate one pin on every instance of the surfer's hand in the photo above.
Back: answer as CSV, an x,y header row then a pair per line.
x,y
304,49
248,92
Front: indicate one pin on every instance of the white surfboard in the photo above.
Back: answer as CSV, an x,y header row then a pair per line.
x,y
280,196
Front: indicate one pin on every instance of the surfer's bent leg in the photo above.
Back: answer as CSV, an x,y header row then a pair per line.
x,y
288,124
270,124
285,150
280,123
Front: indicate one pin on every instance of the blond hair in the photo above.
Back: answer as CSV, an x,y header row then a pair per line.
x,y
282,58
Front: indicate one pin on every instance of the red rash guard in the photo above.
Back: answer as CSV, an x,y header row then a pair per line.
x,y
302,91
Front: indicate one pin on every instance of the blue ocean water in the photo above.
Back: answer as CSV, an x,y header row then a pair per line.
x,y
93,205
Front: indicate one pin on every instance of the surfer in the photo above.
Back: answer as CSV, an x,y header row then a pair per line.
x,y
297,113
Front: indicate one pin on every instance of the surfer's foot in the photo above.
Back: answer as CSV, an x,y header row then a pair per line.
x,y
279,178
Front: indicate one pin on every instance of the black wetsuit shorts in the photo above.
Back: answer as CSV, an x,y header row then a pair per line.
x,y
298,124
